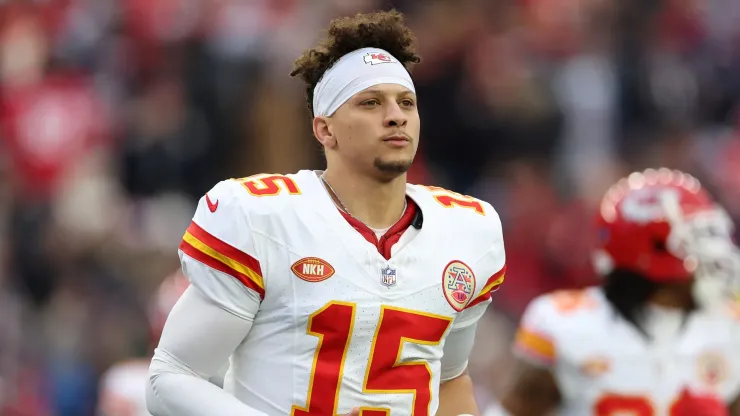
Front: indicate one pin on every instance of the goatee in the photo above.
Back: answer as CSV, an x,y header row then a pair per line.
x,y
394,167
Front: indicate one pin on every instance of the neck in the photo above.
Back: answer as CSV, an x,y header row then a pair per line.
x,y
378,204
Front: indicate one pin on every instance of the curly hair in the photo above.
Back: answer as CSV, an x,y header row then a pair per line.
x,y
384,30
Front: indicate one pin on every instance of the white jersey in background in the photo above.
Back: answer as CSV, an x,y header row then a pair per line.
x,y
605,367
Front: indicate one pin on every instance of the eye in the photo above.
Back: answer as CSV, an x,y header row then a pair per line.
x,y
407,102
370,103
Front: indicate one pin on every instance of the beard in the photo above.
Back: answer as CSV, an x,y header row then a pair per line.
x,y
394,167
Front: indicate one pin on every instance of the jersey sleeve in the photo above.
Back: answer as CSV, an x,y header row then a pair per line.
x,y
456,353
534,341
492,267
218,253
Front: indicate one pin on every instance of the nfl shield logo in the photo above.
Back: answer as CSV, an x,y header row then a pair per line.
x,y
388,276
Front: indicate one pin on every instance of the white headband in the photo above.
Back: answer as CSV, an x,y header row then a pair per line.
x,y
353,73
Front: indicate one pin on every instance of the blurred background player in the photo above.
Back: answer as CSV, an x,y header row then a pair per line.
x,y
123,386
661,336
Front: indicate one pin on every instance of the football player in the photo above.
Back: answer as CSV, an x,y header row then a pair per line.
x,y
336,291
662,335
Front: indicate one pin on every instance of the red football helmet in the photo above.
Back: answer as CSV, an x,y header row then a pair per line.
x,y
664,226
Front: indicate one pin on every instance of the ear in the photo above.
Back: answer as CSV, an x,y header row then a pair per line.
x,y
323,132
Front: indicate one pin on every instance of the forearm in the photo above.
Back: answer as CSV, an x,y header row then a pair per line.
x,y
456,397
173,390
533,391
218,378
195,346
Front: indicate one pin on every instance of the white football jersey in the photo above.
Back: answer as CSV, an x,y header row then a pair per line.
x,y
604,366
122,389
338,324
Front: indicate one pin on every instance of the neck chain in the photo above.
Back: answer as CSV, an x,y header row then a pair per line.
x,y
338,202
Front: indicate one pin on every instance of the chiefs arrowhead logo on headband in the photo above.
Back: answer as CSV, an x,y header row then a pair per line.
x,y
377,58
350,75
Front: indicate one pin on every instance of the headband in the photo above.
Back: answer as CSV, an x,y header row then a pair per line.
x,y
355,72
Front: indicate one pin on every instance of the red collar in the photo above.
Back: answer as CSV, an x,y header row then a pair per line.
x,y
391,237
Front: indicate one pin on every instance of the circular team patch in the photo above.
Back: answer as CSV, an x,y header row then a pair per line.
x,y
458,284
712,368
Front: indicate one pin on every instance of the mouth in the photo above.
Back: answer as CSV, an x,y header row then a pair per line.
x,y
397,140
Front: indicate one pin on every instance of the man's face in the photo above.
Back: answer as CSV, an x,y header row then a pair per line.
x,y
377,129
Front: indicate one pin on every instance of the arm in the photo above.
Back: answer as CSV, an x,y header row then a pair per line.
x,y
214,315
197,340
534,391
456,396
220,376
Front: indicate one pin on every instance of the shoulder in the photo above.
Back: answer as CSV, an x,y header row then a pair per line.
x,y
475,227
553,319
723,319
264,190
468,214
231,231
732,311
722,316
240,198
220,218
563,308
450,203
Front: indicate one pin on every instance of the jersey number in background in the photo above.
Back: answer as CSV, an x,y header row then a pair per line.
x,y
617,405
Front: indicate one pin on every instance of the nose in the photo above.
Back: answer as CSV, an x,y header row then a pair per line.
x,y
395,116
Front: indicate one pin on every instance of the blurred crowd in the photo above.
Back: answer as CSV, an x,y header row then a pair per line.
x,y
116,116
